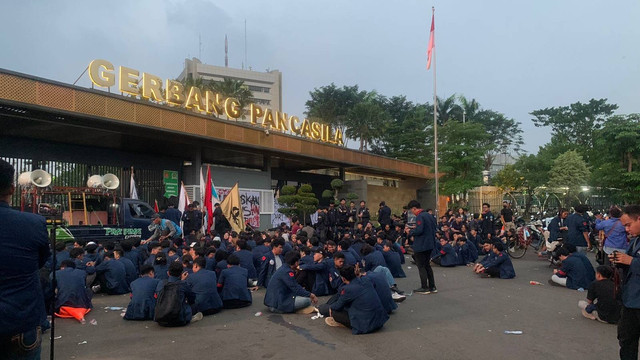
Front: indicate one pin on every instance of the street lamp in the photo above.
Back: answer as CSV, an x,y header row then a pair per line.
x,y
464,116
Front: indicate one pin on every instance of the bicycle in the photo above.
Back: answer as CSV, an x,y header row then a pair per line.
x,y
517,246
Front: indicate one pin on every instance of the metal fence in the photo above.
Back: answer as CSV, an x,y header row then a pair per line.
x,y
148,182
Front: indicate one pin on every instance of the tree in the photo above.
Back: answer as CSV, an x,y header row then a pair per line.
x,y
505,135
367,122
448,109
569,174
618,144
575,123
331,104
462,147
235,89
300,202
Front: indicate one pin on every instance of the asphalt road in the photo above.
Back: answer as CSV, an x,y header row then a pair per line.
x,y
466,319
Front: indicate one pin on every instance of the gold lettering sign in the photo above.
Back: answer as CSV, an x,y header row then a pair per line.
x,y
148,86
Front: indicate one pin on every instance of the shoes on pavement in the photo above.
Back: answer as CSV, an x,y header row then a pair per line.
x,y
95,289
433,290
398,297
395,288
331,322
422,291
197,317
308,310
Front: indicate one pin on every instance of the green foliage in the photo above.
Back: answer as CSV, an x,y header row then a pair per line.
x,y
337,184
366,121
288,190
569,173
228,88
352,196
298,203
461,156
508,179
331,104
327,194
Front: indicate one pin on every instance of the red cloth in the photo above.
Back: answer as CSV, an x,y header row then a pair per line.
x,y
431,42
207,200
71,312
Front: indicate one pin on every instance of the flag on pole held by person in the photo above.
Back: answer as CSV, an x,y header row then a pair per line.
x,y
184,198
133,193
207,200
155,207
431,42
232,209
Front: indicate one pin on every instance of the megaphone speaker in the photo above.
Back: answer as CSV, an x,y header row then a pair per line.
x,y
40,178
110,181
95,181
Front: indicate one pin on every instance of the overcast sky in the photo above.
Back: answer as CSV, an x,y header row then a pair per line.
x,y
512,56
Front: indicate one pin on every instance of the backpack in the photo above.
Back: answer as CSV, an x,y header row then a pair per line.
x,y
169,305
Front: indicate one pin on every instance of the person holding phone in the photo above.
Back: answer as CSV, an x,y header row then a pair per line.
x,y
629,262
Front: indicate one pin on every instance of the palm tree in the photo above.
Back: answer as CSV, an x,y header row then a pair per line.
x,y
366,121
235,89
470,109
448,109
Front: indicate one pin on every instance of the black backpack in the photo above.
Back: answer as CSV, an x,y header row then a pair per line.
x,y
169,305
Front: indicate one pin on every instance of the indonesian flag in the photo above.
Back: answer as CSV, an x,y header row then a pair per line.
x,y
155,207
207,200
431,42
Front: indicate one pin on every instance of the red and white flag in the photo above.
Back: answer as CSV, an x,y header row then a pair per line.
x,y
432,43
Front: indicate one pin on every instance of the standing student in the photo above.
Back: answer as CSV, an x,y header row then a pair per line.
x,y
284,294
423,244
629,325
143,301
578,232
487,224
233,282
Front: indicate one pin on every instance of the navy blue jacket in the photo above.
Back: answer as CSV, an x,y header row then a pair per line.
x,y
72,290
204,284
574,270
335,280
82,265
398,250
130,270
246,261
258,252
488,258
233,282
392,260
591,273
554,229
116,276
267,268
136,258
577,225
424,234
503,262
282,290
143,299
321,287
211,263
363,305
631,287
356,249
349,259
373,260
174,215
60,257
381,286
160,271
448,256
186,297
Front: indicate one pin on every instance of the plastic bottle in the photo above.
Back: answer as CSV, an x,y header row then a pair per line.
x,y
532,282
513,332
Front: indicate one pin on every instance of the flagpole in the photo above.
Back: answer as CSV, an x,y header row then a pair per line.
x,y
435,121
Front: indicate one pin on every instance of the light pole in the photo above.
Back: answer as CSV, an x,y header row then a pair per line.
x,y
464,116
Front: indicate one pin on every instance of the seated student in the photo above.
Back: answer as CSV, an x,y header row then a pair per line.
x,y
387,297
372,258
160,266
221,261
500,265
187,263
77,255
572,273
331,248
155,248
263,247
132,253
71,289
447,256
233,282
601,303
590,272
129,268
173,256
166,313
358,305
210,256
62,254
467,254
204,284
306,256
246,258
345,248
284,294
314,276
486,249
91,253
143,301
271,262
475,239
392,260
112,276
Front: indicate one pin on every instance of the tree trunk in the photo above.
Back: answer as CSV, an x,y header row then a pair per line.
x,y
527,203
629,162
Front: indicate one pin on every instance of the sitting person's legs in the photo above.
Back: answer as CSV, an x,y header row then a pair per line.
x,y
558,280
493,272
301,302
387,274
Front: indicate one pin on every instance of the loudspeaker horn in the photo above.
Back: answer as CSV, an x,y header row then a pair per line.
x,y
25,179
110,181
95,181
40,178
